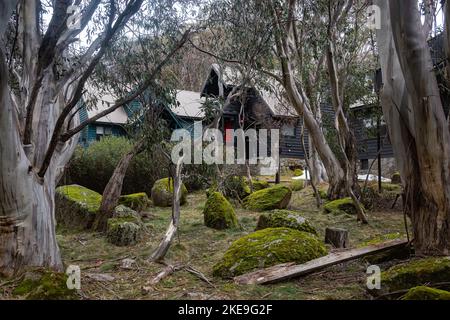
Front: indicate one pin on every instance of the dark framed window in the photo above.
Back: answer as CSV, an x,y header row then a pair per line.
x,y
364,164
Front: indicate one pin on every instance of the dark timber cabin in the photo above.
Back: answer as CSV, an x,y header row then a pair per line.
x,y
364,123
262,110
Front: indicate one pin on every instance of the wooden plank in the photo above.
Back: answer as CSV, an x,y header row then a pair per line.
x,y
289,270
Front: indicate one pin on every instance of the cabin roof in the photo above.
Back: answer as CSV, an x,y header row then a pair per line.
x,y
189,105
226,77
104,101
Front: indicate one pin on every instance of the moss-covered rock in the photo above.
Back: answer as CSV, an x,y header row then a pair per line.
x,y
125,227
268,247
340,206
426,293
260,185
135,201
42,284
162,193
297,185
277,197
298,172
416,273
285,219
218,212
76,206
396,178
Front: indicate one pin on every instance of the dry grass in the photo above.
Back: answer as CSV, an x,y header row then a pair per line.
x,y
201,248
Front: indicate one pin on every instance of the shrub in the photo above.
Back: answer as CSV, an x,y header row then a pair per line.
x,y
93,166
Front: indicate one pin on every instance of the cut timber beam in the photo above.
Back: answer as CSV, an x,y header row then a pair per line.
x,y
289,270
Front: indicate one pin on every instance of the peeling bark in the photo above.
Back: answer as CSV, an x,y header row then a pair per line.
x,y
417,125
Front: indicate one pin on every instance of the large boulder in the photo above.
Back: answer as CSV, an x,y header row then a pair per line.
x,y
162,193
135,201
43,284
340,206
276,197
414,273
268,247
285,219
218,212
124,228
76,206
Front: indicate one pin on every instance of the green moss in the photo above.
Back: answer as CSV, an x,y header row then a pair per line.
x,y
44,285
396,178
124,228
382,238
416,273
323,194
285,219
340,206
297,185
85,197
260,185
298,172
135,201
403,252
268,247
76,206
218,212
426,293
162,193
277,197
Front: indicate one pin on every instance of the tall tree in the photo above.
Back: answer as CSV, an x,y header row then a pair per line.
x,y
43,74
295,44
418,129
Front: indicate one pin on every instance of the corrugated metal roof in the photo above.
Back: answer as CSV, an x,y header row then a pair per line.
x,y
118,116
273,96
189,104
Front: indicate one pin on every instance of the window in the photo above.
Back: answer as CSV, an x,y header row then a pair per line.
x,y
100,131
108,131
364,164
288,130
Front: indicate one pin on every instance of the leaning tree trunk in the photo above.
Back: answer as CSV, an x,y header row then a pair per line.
x,y
113,189
417,125
161,251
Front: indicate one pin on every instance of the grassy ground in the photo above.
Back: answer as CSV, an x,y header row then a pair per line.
x,y
201,247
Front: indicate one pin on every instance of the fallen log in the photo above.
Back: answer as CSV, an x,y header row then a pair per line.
x,y
289,270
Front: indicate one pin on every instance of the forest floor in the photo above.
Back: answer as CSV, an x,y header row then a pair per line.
x,y
200,248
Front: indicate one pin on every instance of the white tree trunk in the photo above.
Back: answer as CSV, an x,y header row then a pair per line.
x,y
27,224
417,125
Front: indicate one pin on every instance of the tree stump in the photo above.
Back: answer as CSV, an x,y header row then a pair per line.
x,y
338,238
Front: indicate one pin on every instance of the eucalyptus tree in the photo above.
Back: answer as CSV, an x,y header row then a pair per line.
x,y
418,128
308,48
46,57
